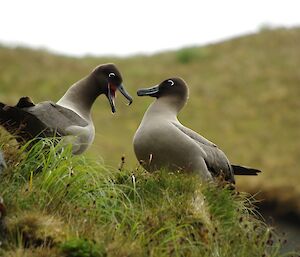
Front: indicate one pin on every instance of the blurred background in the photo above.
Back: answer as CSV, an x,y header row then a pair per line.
x,y
240,59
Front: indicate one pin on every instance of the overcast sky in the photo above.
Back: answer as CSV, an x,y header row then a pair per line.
x,y
136,26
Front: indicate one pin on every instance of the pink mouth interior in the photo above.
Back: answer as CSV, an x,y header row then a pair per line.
x,y
112,89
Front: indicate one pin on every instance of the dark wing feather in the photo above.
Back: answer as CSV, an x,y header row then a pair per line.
x,y
22,124
216,161
56,117
47,119
25,102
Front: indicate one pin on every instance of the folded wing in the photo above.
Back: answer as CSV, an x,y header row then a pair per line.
x,y
47,119
216,161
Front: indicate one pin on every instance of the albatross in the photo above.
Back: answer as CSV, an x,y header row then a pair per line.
x,y
70,117
161,141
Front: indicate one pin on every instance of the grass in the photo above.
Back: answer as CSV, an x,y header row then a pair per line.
x,y
247,88
61,205
244,96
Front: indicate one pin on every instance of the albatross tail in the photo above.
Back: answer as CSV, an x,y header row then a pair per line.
x,y
240,170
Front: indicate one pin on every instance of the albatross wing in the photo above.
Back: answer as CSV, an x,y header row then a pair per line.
x,y
215,160
23,124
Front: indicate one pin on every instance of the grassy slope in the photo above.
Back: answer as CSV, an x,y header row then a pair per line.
x,y
59,205
244,97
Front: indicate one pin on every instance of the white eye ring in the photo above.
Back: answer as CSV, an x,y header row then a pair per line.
x,y
171,81
111,74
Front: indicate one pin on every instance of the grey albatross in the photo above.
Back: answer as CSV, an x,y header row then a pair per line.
x,y
161,141
70,117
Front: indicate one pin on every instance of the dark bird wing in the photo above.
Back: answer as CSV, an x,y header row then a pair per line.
x,y
47,119
25,102
216,161
56,117
22,124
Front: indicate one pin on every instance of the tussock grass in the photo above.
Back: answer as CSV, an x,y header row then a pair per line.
x,y
247,88
67,205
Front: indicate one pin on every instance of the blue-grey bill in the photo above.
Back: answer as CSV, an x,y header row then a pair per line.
x,y
125,94
151,91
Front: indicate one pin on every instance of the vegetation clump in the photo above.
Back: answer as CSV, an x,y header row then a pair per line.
x,y
75,206
235,87
82,248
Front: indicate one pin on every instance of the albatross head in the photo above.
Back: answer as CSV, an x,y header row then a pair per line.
x,y
111,80
173,90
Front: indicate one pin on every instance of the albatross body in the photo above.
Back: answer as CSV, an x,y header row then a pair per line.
x,y
70,117
161,141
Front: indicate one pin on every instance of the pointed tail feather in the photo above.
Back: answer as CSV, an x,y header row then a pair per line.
x,y
240,170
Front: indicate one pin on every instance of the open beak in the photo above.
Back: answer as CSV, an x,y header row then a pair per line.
x,y
112,95
151,91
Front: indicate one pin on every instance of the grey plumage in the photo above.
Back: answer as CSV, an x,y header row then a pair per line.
x,y
70,117
45,111
215,160
162,141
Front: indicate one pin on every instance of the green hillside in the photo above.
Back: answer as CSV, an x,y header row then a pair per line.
x,y
244,96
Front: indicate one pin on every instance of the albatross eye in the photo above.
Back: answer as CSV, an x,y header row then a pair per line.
x,y
111,74
171,82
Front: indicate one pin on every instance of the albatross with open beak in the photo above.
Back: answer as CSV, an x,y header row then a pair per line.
x,y
161,141
71,115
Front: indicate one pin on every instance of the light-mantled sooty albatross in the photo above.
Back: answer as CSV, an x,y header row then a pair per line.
x,y
161,141
70,116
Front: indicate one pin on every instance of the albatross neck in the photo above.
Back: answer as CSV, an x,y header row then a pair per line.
x,y
167,107
81,96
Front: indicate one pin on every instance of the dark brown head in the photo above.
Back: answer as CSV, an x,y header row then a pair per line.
x,y
109,76
173,88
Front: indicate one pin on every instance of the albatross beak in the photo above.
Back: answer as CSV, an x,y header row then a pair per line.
x,y
124,93
151,91
112,95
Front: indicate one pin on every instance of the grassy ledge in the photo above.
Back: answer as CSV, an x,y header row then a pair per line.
x,y
63,205
244,96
